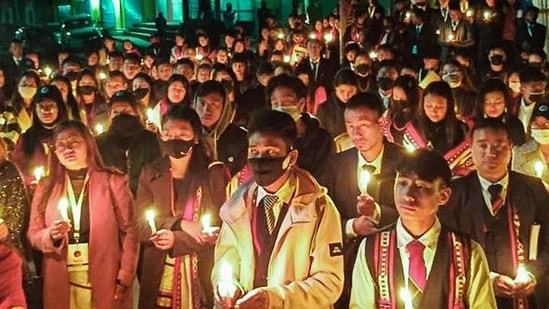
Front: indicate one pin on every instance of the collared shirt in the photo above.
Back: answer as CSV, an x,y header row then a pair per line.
x,y
349,231
485,184
284,194
386,99
478,294
525,114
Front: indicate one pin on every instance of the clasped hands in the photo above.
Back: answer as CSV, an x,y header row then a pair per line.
x,y
365,207
254,299
164,239
505,286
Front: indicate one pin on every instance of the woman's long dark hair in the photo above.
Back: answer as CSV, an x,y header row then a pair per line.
x,y
72,106
37,130
450,122
16,99
410,86
95,163
492,85
183,80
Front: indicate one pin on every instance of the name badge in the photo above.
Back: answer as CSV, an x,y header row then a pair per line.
x,y
414,50
77,257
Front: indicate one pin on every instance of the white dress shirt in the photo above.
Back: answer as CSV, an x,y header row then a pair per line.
x,y
485,184
525,114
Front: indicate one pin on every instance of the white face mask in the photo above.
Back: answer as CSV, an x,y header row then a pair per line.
x,y
541,136
452,80
27,92
515,87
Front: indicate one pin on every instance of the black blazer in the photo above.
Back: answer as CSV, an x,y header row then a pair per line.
x,y
341,182
528,43
528,195
325,74
424,40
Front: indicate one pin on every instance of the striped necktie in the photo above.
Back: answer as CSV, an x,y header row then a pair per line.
x,y
268,202
495,197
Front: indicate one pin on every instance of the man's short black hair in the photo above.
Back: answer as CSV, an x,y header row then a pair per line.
x,y
239,58
133,58
531,75
494,124
161,61
71,60
265,68
274,123
287,81
428,165
185,61
116,54
366,100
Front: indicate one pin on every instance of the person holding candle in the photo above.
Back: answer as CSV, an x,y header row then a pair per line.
x,y
363,206
90,252
456,34
33,148
93,109
126,145
504,211
532,157
173,195
419,262
281,233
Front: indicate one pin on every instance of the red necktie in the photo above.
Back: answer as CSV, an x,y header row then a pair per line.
x,y
417,270
495,197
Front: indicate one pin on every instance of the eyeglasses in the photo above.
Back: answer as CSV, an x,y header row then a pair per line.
x,y
70,143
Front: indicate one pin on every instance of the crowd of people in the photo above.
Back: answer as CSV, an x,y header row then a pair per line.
x,y
412,175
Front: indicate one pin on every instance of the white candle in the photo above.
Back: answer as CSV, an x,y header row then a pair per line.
x,y
280,35
539,167
364,180
39,173
199,57
409,147
150,220
99,129
328,37
63,207
102,75
406,298
206,225
469,13
150,115
312,36
487,15
286,58
522,275
451,37
372,54
226,286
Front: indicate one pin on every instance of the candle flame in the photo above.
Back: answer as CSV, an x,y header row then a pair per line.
x,y
286,58
150,215
102,75
312,36
406,297
486,15
199,57
372,54
469,13
99,128
451,37
39,172
226,286
522,275
47,71
205,220
539,167
328,37
280,35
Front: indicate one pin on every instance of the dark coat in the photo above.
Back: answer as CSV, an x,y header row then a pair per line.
x,y
154,189
315,146
330,114
528,196
142,149
232,148
325,73
527,42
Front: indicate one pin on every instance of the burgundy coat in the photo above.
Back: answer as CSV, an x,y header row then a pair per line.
x,y
113,248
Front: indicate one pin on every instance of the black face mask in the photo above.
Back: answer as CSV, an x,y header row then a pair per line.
x,y
536,97
176,148
385,83
362,69
400,105
535,65
496,60
86,90
266,170
125,125
72,76
140,93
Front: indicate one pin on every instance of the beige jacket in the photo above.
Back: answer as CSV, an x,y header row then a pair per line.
x,y
306,267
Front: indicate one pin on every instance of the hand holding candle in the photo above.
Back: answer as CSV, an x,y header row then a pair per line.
x,y
364,180
522,275
99,129
451,37
206,225
150,220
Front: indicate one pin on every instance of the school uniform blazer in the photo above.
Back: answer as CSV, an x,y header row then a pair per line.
x,y
528,196
306,265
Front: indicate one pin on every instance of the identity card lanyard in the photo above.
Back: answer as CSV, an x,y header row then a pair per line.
x,y
76,206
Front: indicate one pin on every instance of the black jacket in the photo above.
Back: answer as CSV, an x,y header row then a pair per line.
x,y
142,149
315,146
330,114
232,148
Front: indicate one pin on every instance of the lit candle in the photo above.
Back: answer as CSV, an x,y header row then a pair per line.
x,y
150,220
286,58
39,172
226,286
486,15
539,167
406,298
438,31
409,147
150,115
99,128
372,54
47,71
206,225
1,221
280,35
451,37
469,13
102,75
522,275
63,207
199,57
312,36
407,16
328,37
364,180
